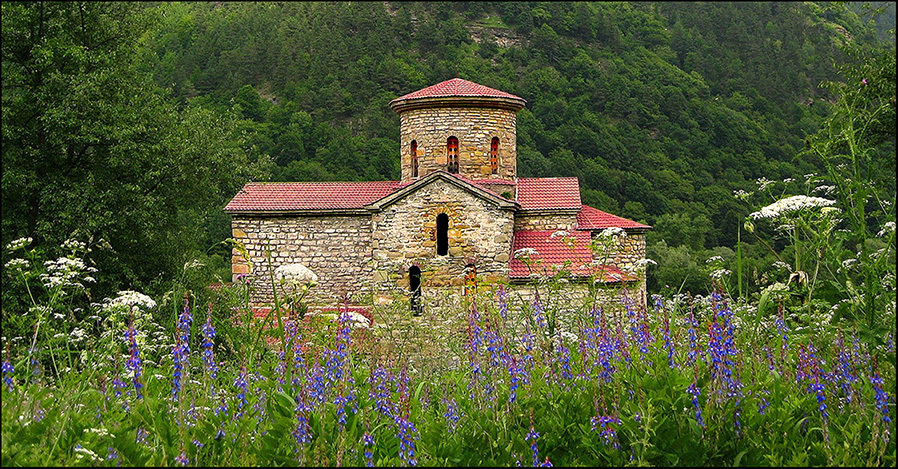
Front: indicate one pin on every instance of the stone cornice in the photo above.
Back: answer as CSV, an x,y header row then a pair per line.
x,y
401,105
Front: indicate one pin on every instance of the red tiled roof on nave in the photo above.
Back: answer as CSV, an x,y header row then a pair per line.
x,y
591,218
553,249
277,196
457,87
549,193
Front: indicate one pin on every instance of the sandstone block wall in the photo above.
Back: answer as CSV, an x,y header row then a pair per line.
x,y
336,248
474,128
550,222
404,234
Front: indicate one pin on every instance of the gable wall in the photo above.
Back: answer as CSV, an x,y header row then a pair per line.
x,y
404,234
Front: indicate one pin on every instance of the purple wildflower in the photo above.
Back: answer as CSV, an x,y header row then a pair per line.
x,y
608,433
695,392
241,385
179,356
8,371
141,436
452,416
182,459
112,455
368,441
134,362
303,432
532,437
881,398
208,354
407,436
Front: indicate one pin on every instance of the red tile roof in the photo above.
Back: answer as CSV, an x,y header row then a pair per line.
x,y
457,87
549,193
532,194
553,252
275,196
591,218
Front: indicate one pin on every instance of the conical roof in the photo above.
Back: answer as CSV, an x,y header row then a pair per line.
x,y
457,91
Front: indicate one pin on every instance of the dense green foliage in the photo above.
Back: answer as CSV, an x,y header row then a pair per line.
x,y
93,150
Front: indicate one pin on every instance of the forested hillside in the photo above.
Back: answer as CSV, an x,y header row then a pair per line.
x,y
662,110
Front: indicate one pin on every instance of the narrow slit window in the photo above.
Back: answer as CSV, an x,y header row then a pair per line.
x,y
414,154
442,234
452,155
414,286
494,155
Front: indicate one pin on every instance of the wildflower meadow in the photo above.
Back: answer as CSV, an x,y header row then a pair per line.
x,y
492,379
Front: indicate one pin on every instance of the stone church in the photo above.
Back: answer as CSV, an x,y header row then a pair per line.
x,y
459,214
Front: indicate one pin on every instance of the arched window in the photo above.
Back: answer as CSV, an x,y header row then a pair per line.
x,y
414,286
442,234
414,153
452,155
494,155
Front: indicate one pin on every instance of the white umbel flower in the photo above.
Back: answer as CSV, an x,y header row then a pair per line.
x,y
791,204
133,298
295,274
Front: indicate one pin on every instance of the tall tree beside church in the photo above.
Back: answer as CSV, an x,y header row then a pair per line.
x,y
93,149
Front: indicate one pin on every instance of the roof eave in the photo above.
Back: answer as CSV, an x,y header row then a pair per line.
x,y
400,105
297,212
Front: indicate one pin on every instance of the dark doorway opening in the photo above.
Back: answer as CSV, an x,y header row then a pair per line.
x,y
414,286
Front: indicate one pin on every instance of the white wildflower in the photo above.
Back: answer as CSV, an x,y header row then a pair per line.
x,y
18,264
194,264
58,315
18,243
847,263
714,259
764,183
613,232
77,335
525,253
741,194
644,262
791,204
559,233
788,180
809,176
825,190
720,273
782,265
889,227
295,274
132,298
98,431
775,288
73,245
80,453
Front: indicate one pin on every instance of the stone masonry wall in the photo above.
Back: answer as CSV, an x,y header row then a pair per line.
x,y
624,255
404,234
545,222
336,248
474,128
